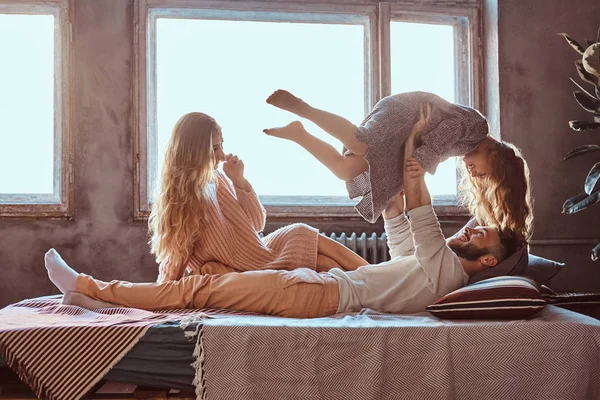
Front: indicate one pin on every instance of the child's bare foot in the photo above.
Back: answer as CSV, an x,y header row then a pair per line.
x,y
287,101
83,301
292,131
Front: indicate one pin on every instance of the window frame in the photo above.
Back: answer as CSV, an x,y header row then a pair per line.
x,y
59,204
466,16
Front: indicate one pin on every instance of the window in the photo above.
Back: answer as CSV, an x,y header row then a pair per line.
x,y
33,110
338,57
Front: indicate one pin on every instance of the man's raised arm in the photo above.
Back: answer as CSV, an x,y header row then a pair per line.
x,y
397,229
415,189
434,257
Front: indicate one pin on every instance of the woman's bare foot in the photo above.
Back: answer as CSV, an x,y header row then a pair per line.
x,y
83,301
292,131
287,101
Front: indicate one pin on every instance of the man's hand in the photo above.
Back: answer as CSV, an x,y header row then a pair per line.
x,y
419,126
414,169
234,169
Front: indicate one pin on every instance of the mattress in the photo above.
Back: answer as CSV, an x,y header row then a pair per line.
x,y
235,346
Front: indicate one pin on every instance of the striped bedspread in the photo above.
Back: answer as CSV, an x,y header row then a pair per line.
x,y
554,355
62,351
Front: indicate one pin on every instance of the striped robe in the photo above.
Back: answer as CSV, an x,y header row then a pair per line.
x,y
230,240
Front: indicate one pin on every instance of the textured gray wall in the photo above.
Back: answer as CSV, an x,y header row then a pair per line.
x,y
100,239
535,104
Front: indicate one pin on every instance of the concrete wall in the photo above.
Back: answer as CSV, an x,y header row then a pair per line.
x,y
100,239
535,105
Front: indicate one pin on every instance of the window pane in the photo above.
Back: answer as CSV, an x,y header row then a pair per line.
x,y
26,104
227,69
423,59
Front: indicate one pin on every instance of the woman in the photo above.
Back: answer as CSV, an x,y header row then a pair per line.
x,y
204,221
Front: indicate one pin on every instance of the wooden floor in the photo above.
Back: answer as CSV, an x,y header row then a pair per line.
x,y
11,388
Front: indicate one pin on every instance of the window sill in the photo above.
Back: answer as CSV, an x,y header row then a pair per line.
x,y
444,211
35,211
281,208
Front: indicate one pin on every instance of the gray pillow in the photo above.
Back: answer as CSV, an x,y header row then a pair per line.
x,y
515,264
540,269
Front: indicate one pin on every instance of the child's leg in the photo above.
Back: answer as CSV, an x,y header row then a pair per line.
x,y
346,258
336,126
344,167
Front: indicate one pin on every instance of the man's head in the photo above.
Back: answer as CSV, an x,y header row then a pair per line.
x,y
481,248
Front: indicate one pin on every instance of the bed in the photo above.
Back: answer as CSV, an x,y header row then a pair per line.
x,y
553,355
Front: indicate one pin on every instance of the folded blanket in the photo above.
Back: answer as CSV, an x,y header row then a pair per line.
x,y
62,351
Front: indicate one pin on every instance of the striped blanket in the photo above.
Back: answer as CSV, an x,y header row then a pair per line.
x,y
554,355
62,351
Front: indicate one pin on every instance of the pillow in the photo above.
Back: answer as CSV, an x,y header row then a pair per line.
x,y
502,297
515,264
522,263
542,269
583,303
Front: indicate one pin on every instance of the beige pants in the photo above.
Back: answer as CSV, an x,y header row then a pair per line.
x,y
301,293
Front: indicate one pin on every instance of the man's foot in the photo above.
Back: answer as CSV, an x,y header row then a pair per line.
x,y
287,101
83,301
63,276
292,131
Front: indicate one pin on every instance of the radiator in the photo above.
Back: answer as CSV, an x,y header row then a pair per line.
x,y
372,248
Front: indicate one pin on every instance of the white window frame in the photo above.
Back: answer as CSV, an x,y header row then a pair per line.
x,y
466,21
58,204
376,16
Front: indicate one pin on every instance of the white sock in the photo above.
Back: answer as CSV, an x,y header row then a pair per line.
x,y
63,276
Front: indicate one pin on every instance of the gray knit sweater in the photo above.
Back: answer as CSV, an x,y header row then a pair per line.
x,y
453,130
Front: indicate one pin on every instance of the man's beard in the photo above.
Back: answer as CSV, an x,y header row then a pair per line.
x,y
468,251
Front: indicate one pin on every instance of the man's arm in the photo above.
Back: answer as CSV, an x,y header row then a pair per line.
x,y
397,228
438,262
435,258
415,189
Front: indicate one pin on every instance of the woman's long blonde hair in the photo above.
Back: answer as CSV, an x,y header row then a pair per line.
x,y
502,199
179,200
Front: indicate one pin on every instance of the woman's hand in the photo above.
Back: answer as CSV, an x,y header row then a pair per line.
x,y
234,169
